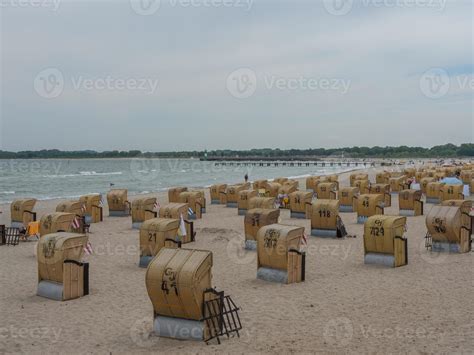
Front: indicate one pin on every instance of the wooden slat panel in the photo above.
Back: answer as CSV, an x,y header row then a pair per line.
x,y
67,281
73,282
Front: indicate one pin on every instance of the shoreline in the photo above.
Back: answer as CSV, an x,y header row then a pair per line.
x,y
163,191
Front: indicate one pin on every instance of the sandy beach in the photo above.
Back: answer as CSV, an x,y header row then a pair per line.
x,y
343,307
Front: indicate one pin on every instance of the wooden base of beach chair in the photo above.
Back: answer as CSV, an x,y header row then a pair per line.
x,y
324,233
75,283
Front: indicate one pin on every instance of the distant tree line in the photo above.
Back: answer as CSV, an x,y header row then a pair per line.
x,y
439,151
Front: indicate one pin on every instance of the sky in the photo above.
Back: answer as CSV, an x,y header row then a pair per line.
x,y
235,74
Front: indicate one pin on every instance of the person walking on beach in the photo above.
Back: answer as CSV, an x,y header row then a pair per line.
x,y
246,177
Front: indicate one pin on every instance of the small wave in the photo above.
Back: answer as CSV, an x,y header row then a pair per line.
x,y
146,171
299,176
59,176
7,192
92,173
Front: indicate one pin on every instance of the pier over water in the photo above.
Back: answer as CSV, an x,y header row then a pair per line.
x,y
292,163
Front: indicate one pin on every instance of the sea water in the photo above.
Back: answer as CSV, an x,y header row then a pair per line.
x,y
70,178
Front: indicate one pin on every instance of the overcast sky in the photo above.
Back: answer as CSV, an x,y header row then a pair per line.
x,y
202,74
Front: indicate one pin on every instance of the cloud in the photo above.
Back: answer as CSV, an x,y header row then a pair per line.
x,y
190,51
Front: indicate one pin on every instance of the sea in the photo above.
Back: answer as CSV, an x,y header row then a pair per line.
x,y
45,179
